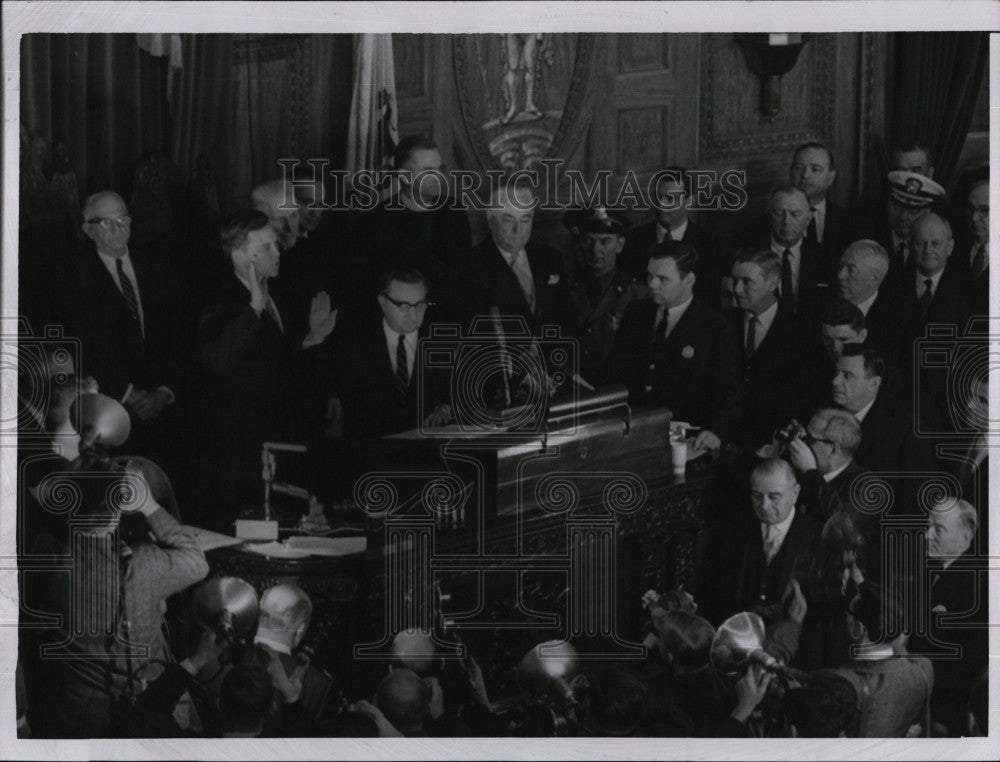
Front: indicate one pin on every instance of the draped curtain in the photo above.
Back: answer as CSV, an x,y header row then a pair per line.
x,y
936,79
100,95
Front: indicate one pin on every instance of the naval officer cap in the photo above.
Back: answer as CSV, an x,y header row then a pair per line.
x,y
913,189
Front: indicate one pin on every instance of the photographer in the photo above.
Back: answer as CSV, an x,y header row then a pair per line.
x,y
98,658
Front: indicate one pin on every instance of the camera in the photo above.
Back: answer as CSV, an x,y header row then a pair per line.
x,y
499,376
948,368
46,367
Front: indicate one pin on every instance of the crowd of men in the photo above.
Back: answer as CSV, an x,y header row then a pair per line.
x,y
794,347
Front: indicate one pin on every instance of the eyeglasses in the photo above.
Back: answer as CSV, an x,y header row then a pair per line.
x,y
107,222
420,306
809,439
982,211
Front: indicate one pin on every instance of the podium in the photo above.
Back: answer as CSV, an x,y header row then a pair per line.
x,y
550,534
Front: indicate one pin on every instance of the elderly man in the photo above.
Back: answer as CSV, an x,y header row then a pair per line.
x,y
601,289
769,547
515,275
774,354
824,459
813,172
252,366
675,352
956,589
285,613
671,220
861,273
910,197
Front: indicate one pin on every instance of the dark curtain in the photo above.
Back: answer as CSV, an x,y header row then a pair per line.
x,y
101,96
936,79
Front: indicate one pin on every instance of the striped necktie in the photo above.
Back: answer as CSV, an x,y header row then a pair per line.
x,y
128,291
402,372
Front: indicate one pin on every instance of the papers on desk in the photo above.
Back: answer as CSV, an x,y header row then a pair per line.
x,y
451,431
303,547
208,540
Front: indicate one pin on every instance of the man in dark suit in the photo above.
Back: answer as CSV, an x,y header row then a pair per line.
x,y
675,352
376,368
860,276
601,290
824,459
857,388
959,591
774,390
770,547
813,172
671,221
911,196
513,275
931,292
252,368
972,252
417,227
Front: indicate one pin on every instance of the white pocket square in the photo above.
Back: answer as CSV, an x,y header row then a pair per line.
x,y
553,279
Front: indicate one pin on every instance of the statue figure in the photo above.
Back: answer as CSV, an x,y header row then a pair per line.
x,y
523,55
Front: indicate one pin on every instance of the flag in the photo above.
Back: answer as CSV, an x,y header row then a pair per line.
x,y
159,45
372,133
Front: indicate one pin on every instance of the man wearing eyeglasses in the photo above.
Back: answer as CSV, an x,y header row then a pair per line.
x,y
375,369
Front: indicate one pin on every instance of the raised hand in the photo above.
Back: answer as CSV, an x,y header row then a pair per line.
x,y
321,318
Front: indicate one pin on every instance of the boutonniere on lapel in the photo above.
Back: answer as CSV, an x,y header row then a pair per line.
x,y
688,352
553,279
619,289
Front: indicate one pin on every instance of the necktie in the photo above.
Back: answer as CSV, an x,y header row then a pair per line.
x,y
402,373
787,289
770,543
523,273
751,340
927,295
812,232
128,291
979,261
662,324
901,253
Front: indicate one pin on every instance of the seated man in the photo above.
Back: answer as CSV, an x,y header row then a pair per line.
x,y
675,352
770,547
954,591
375,372
404,698
245,700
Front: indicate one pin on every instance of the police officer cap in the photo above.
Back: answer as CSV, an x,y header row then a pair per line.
x,y
596,220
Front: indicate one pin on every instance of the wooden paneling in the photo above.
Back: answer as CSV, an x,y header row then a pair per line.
x,y
643,52
642,140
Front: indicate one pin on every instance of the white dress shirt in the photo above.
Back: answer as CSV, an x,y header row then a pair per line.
x,y
764,321
820,216
111,263
867,303
677,233
860,415
780,528
674,314
409,342
519,265
795,260
835,473
935,279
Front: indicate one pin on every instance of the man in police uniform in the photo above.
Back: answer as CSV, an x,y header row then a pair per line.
x,y
601,289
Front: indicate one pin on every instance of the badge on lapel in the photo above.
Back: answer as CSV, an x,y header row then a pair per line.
x,y
687,352
553,279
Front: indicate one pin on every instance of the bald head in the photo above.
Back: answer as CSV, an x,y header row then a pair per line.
x,y
285,612
404,698
931,243
276,199
789,215
774,490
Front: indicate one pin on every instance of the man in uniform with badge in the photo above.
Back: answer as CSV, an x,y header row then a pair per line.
x,y
601,289
910,198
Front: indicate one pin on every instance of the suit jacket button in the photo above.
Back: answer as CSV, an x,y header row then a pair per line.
x,y
649,388
652,366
